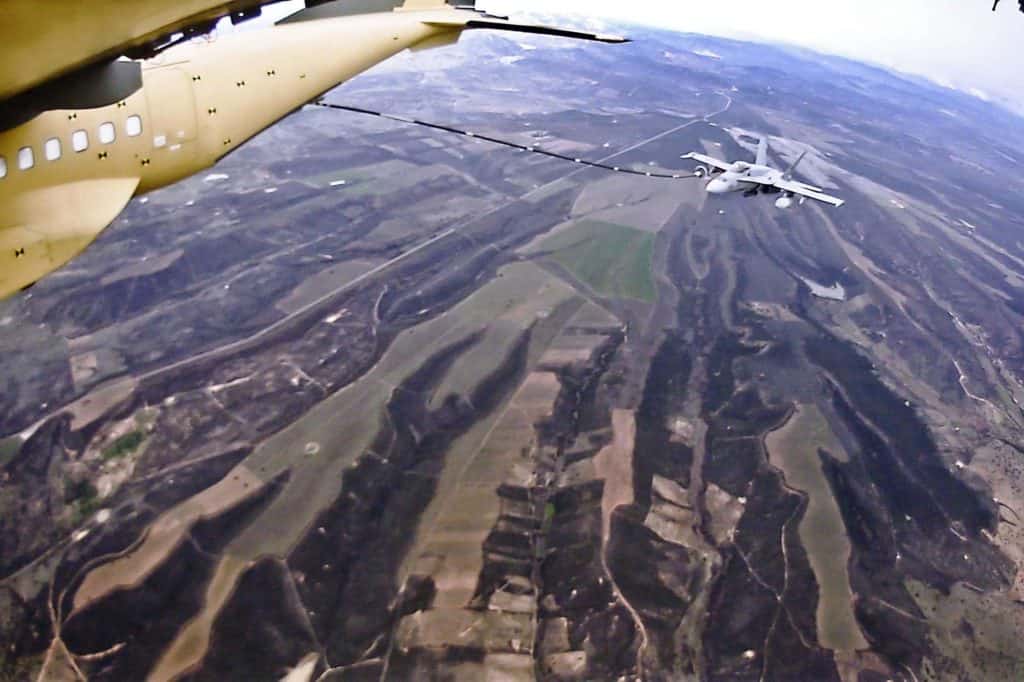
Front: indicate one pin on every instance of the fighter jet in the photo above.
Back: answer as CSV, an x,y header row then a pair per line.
x,y
75,150
758,178
995,4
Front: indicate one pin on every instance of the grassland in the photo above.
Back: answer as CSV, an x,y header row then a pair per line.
x,y
976,636
613,260
124,445
83,499
353,179
8,448
344,426
794,449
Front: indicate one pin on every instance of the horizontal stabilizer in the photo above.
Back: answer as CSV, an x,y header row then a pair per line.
x,y
501,25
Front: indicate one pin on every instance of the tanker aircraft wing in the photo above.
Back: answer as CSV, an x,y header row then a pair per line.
x,y
73,34
501,24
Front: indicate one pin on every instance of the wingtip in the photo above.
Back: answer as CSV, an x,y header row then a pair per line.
x,y
610,38
539,29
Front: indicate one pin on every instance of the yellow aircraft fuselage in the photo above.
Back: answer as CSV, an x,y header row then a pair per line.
x,y
66,173
198,102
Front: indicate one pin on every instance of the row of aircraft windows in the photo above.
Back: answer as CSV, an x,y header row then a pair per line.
x,y
106,133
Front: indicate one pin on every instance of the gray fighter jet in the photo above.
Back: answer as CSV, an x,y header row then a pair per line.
x,y
758,178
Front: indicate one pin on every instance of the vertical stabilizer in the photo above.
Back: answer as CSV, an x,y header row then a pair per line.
x,y
789,171
762,152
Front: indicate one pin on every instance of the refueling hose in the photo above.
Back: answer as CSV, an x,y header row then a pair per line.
x,y
507,143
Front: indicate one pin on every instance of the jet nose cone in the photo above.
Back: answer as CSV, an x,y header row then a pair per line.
x,y
718,186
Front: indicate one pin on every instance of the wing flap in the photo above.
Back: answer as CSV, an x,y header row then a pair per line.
x,y
49,226
809,188
802,190
795,188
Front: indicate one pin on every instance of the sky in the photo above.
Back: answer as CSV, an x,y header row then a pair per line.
x,y
956,43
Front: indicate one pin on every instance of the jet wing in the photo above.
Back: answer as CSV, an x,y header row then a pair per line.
x,y
498,24
59,222
796,188
76,33
709,160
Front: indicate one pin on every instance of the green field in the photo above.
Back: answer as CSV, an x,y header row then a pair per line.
x,y
124,445
8,448
611,259
353,178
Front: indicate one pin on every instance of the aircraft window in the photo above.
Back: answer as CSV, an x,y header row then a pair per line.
x,y
79,140
107,133
26,158
52,149
3,167
133,126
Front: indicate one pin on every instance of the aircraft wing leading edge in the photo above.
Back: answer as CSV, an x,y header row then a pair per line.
x,y
539,29
709,160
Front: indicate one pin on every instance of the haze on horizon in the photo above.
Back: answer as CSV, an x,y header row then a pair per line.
x,y
959,44
956,43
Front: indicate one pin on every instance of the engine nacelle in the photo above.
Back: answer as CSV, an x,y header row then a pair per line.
x,y
701,171
784,202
